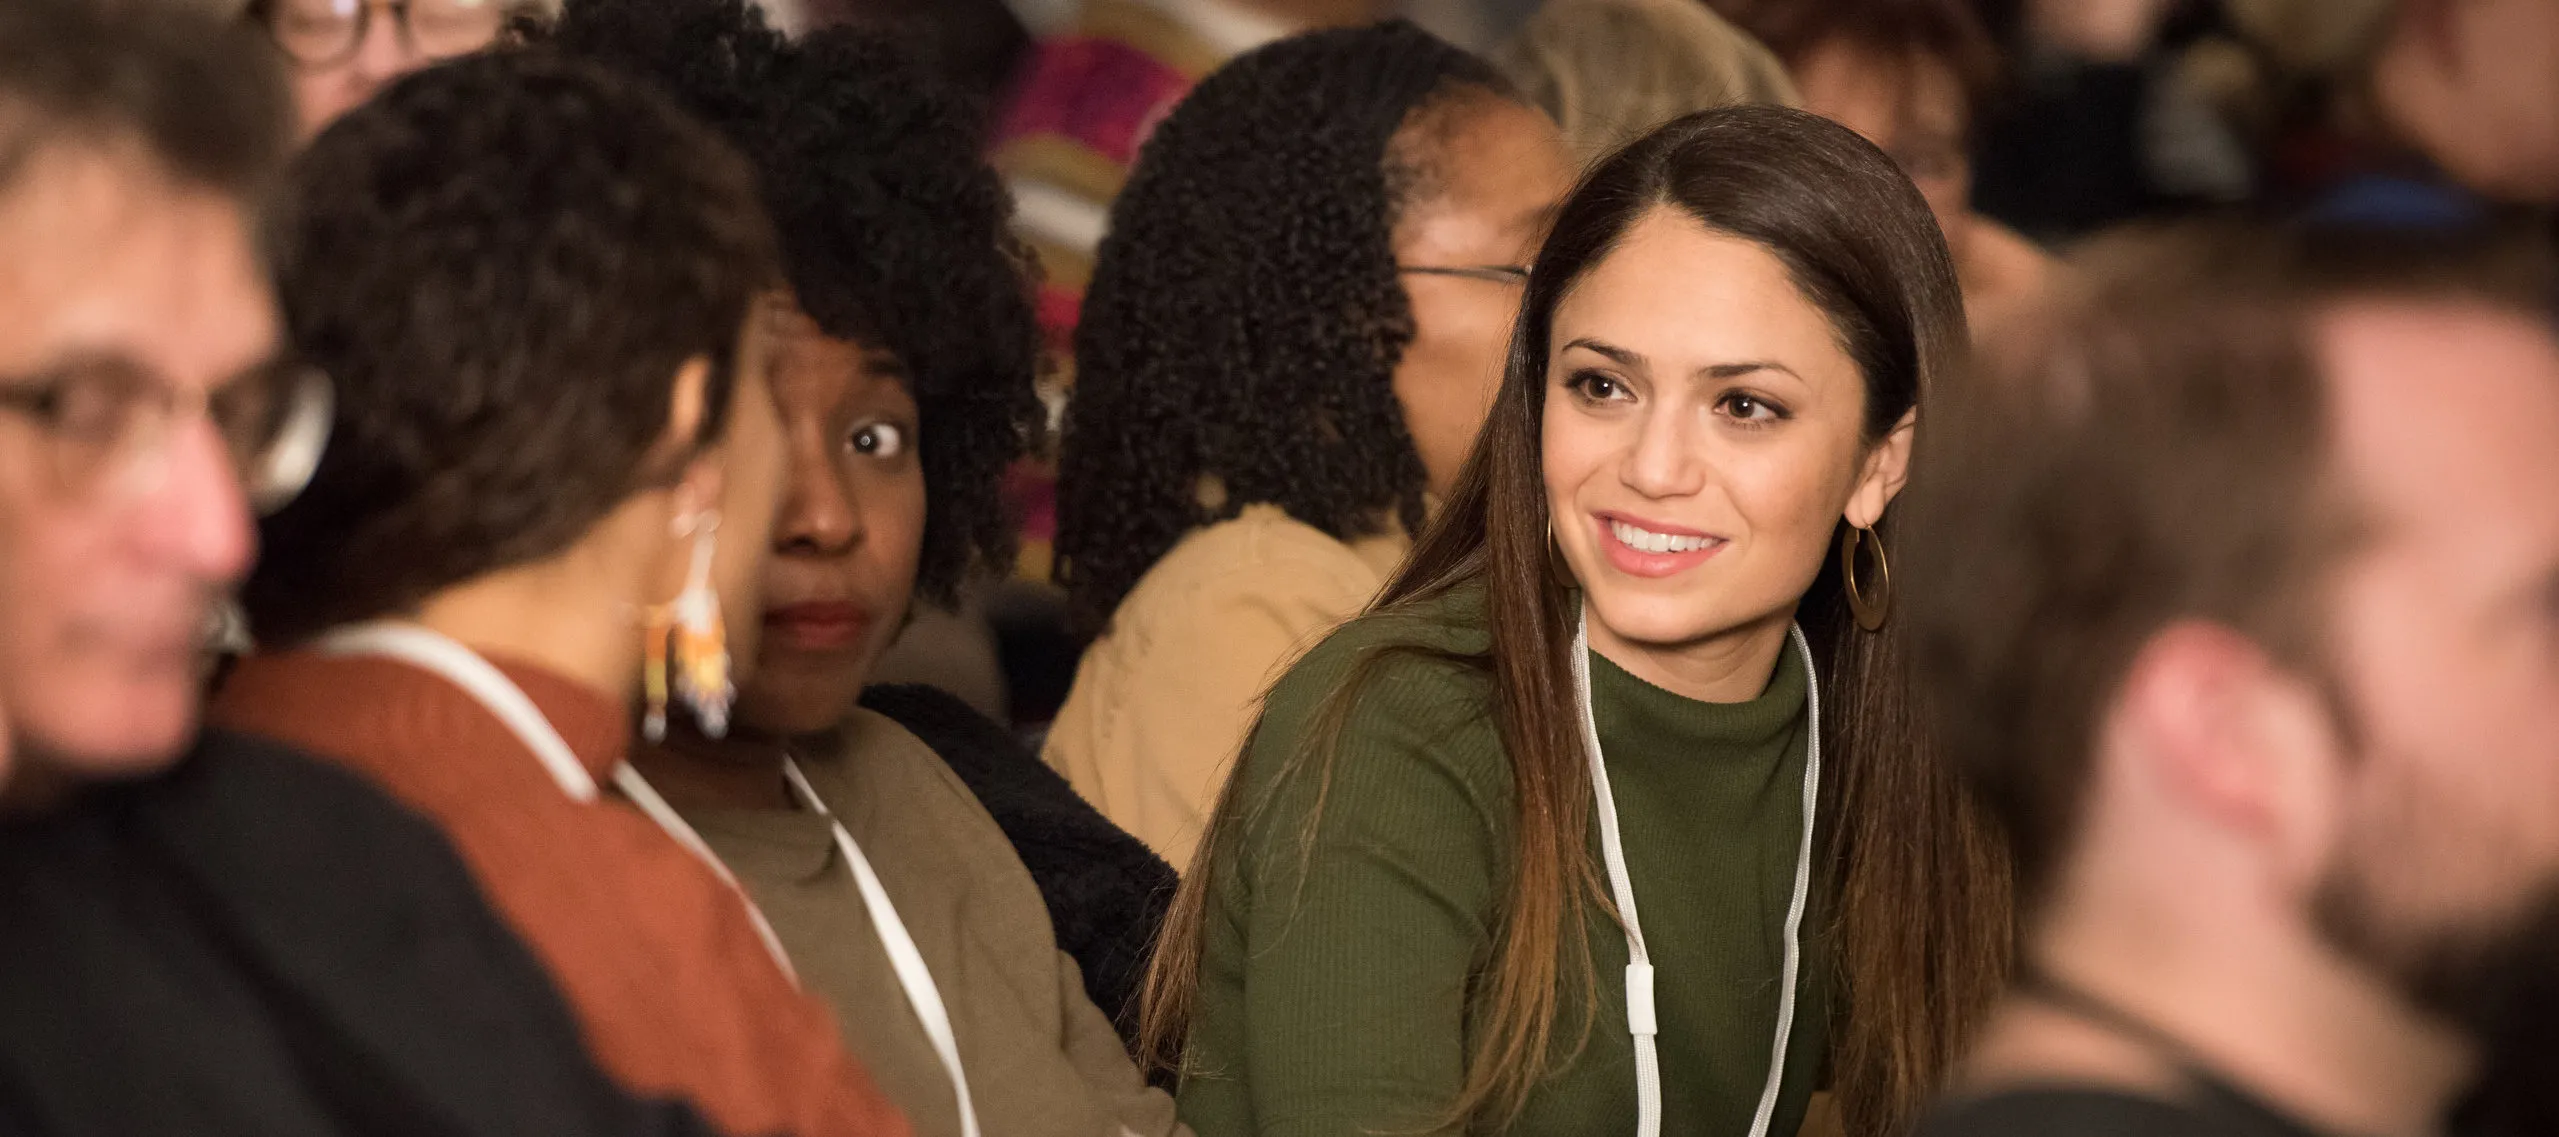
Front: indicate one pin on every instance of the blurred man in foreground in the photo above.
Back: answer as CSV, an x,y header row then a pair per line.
x,y
199,935
2244,591
138,380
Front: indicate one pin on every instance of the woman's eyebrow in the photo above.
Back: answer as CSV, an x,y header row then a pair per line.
x,y
1626,357
1740,368
1622,356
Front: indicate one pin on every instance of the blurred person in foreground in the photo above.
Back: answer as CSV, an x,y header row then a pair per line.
x,y
1913,76
1609,71
340,52
2242,590
555,459
905,349
203,933
2460,109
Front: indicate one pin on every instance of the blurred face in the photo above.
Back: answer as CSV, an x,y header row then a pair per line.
x,y
750,491
1702,440
1911,108
345,50
1505,167
2503,62
850,530
2445,636
111,556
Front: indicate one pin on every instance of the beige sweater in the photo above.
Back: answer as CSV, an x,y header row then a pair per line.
x,y
1162,701
1041,1058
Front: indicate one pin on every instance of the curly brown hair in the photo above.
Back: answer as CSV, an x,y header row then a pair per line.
x,y
894,230
1245,317
502,264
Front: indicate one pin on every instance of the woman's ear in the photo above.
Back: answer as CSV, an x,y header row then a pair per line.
x,y
701,472
1887,470
687,405
699,488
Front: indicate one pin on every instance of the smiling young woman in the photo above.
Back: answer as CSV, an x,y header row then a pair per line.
x,y
1418,907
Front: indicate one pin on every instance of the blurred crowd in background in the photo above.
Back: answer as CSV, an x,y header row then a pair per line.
x,y
1155,567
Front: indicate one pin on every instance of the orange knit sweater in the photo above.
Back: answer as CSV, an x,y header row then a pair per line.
x,y
674,989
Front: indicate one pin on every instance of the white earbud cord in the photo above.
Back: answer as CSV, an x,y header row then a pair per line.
x,y
1642,1020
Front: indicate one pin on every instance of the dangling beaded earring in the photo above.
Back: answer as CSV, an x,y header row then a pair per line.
x,y
700,639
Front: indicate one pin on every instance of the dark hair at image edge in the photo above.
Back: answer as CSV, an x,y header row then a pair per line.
x,y
894,230
502,263
202,98
1919,880
1239,339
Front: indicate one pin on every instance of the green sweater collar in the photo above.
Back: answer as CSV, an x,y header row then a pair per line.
x,y
1652,720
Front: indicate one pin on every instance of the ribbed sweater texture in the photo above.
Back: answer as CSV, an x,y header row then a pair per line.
x,y
1347,945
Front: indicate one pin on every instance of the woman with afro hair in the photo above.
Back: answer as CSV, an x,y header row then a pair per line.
x,y
905,353
1290,340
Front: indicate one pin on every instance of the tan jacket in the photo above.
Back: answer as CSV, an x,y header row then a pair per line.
x,y
1041,1058
1163,700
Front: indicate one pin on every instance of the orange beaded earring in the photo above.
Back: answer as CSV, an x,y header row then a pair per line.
x,y
692,625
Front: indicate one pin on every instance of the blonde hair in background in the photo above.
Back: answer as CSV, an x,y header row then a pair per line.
x,y
1610,71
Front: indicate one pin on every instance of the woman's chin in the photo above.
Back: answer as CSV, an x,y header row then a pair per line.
x,y
781,704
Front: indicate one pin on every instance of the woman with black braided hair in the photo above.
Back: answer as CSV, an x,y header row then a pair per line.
x,y
1291,337
905,353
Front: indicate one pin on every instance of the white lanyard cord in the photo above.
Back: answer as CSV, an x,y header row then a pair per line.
x,y
905,959
627,779
1642,1020
908,961
442,655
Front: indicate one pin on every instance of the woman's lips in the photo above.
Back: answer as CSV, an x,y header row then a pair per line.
x,y
817,626
1636,547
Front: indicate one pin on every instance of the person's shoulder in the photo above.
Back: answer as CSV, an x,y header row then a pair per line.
x,y
1432,643
230,776
1032,803
1263,547
1242,589
879,759
1409,678
2077,1111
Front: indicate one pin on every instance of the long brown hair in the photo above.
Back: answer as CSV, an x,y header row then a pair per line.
x,y
1920,886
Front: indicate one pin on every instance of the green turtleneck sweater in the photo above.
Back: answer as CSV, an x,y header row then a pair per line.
x,y
1339,972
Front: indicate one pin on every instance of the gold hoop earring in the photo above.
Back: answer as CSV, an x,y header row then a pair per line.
x,y
1559,568
1871,611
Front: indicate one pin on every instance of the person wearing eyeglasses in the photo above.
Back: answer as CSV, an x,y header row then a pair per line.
x,y
1913,76
1291,337
204,933
342,51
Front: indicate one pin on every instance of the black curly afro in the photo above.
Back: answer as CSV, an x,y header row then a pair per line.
x,y
894,231
1244,321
